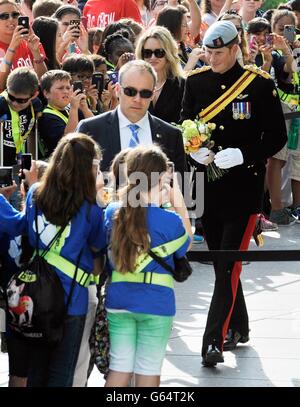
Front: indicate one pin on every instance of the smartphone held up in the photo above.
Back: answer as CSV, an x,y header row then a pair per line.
x,y
289,33
77,85
23,21
98,80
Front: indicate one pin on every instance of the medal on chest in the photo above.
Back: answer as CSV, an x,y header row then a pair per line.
x,y
241,110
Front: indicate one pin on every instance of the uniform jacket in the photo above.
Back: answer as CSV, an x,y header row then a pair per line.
x,y
240,190
104,129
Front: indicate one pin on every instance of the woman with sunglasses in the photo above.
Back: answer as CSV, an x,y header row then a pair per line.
x,y
18,46
157,47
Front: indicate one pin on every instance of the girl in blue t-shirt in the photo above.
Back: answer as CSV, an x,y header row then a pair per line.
x,y
66,197
140,296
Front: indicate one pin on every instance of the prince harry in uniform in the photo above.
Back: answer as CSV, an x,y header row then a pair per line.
x,y
250,127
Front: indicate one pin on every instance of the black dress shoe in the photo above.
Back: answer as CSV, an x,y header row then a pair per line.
x,y
233,338
212,356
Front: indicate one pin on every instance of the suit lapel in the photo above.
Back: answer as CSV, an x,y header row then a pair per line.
x,y
155,130
114,133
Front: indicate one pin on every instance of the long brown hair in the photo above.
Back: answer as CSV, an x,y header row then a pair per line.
x,y
130,233
69,179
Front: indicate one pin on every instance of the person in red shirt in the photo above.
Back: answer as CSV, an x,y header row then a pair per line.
x,y
100,13
18,47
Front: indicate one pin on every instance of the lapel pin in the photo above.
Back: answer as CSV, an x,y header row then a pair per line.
x,y
158,136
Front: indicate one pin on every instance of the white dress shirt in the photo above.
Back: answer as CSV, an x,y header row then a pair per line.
x,y
144,132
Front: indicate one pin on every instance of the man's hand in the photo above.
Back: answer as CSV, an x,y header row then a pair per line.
x,y
228,158
203,156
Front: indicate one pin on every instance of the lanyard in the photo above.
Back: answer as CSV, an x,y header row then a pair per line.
x,y
19,140
50,109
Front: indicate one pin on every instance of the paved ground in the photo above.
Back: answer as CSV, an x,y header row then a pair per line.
x,y
271,358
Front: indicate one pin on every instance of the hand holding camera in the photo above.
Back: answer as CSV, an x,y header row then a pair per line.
x,y
282,44
20,33
74,28
72,33
78,95
25,161
30,174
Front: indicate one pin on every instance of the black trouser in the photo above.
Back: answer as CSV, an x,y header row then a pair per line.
x,y
228,307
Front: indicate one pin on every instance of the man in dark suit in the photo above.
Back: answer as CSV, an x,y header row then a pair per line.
x,y
130,123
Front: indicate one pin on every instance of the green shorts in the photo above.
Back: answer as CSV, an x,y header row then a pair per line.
x,y
138,342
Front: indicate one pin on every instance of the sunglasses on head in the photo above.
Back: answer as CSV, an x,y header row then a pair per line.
x,y
158,53
131,92
5,16
18,100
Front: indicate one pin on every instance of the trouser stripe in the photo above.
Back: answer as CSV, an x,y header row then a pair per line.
x,y
237,268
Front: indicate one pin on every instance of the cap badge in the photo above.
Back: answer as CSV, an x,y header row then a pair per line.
x,y
218,42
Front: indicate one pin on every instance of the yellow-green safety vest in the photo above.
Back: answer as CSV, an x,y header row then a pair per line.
x,y
51,110
291,99
19,140
149,277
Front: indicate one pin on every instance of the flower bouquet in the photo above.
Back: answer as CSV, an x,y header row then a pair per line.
x,y
197,134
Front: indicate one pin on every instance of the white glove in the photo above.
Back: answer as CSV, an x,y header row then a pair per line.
x,y
203,156
228,158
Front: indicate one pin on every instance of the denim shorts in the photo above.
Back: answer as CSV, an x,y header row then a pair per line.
x,y
138,342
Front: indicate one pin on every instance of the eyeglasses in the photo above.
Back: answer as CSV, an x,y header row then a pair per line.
x,y
132,92
18,100
5,16
158,53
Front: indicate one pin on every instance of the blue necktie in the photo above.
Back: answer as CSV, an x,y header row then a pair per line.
x,y
134,140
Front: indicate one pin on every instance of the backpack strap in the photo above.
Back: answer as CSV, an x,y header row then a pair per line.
x,y
73,282
160,261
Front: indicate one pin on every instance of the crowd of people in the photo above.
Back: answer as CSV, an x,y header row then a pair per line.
x,y
96,92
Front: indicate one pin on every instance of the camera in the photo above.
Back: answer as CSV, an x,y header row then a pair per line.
x,y
25,162
269,40
75,23
113,77
6,176
98,80
24,22
289,33
77,85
